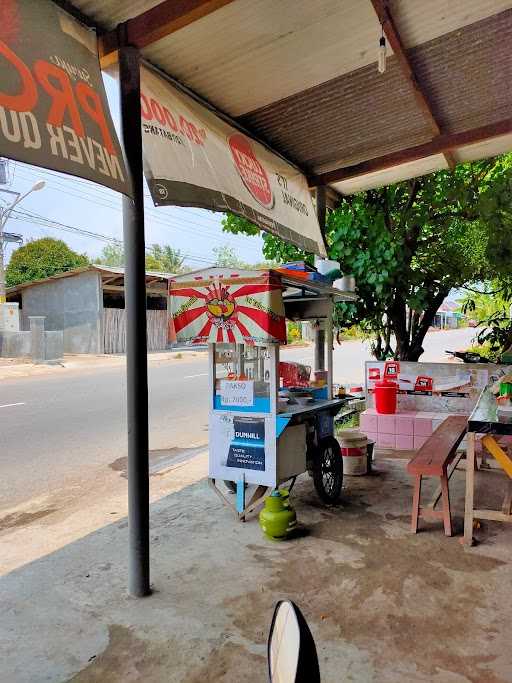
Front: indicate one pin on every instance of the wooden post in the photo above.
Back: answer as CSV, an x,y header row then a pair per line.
x,y
470,489
416,500
445,498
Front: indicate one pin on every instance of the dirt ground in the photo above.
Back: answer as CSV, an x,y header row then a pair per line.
x,y
383,604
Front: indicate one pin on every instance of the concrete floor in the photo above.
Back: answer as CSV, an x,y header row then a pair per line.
x,y
383,604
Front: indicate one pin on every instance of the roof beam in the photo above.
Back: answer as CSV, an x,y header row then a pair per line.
x,y
439,145
391,33
156,23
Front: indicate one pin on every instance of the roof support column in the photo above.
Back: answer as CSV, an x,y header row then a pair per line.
x,y
136,343
320,329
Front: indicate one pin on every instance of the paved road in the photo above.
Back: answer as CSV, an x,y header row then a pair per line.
x,y
63,431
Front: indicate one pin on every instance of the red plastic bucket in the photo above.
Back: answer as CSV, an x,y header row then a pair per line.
x,y
385,397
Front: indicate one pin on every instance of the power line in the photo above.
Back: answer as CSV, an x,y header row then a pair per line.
x,y
42,221
157,217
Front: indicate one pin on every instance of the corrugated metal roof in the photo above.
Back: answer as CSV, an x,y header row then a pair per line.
x,y
112,270
249,54
419,21
358,116
483,150
364,114
468,73
109,13
412,169
302,73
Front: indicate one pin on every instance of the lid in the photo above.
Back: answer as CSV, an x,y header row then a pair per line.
x,y
385,384
351,435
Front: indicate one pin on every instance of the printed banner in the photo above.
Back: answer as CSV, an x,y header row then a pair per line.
x,y
432,387
53,108
194,158
247,449
228,309
242,444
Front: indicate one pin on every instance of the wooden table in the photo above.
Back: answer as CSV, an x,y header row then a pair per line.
x,y
484,420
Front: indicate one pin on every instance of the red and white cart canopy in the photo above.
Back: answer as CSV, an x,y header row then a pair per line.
x,y
221,305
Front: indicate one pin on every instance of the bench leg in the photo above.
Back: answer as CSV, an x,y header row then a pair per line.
x,y
445,497
470,490
416,503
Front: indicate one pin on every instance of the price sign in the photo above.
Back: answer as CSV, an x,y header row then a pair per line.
x,y
237,392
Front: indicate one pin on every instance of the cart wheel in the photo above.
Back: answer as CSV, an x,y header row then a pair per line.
x,y
328,470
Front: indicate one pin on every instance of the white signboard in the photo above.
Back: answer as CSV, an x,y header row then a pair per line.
x,y
194,158
237,393
242,444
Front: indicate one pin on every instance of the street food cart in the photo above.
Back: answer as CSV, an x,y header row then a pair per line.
x,y
269,421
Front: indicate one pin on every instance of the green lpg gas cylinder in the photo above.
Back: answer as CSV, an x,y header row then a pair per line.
x,y
278,518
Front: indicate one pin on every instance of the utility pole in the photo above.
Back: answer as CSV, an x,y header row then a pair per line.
x,y
4,217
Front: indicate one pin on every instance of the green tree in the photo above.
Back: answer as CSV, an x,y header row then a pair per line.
x,y
225,257
161,258
164,259
39,259
409,244
111,255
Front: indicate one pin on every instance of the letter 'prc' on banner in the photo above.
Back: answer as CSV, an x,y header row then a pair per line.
x,y
53,108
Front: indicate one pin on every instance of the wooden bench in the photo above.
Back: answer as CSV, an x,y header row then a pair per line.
x,y
432,460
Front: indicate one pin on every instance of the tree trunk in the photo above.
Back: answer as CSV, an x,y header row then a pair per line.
x,y
409,338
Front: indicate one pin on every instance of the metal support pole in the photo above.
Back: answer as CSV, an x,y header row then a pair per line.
x,y
320,347
329,342
2,269
136,343
320,333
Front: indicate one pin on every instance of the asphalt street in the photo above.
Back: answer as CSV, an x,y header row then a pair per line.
x,y
62,431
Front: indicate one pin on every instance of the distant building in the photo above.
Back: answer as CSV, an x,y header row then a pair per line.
x,y
447,316
88,305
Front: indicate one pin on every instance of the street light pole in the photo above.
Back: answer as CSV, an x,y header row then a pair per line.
x,y
4,217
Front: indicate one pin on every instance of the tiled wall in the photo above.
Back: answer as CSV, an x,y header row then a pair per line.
x,y
406,430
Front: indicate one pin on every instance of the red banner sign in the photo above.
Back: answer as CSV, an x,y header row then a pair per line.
x,y
53,108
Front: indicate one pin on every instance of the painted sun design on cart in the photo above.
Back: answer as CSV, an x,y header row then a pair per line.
x,y
224,308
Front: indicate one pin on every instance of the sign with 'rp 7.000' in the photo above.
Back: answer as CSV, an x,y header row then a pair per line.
x,y
237,393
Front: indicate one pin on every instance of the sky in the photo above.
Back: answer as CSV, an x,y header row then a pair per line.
x,y
78,203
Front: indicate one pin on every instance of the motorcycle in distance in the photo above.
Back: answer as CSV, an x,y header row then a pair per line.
x,y
468,356
291,650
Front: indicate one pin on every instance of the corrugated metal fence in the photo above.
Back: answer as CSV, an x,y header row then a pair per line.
x,y
114,330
